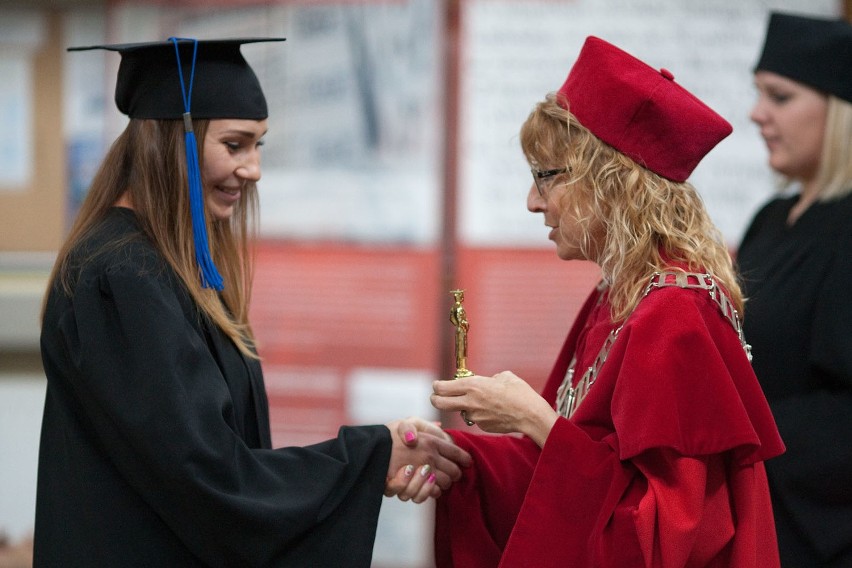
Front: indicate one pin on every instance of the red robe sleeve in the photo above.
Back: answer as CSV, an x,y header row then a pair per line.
x,y
661,464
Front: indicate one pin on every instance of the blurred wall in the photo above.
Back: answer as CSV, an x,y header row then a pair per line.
x,y
32,164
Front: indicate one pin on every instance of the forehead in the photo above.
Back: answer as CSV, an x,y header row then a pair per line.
x,y
769,80
237,127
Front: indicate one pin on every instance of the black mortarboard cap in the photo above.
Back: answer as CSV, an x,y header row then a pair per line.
x,y
182,79
223,86
810,50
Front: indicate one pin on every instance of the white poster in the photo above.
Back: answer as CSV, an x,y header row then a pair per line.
x,y
353,151
517,51
16,99
22,31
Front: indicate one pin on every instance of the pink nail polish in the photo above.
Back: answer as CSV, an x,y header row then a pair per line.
x,y
431,479
409,436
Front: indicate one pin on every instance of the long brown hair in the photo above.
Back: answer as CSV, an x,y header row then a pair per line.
x,y
148,162
649,220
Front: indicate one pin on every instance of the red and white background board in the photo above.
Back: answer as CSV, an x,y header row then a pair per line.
x,y
327,316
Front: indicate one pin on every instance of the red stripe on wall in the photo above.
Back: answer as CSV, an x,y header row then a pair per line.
x,y
320,311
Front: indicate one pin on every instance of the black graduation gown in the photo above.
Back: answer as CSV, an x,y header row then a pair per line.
x,y
155,446
798,319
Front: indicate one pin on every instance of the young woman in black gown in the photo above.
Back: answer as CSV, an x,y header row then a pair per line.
x,y
155,447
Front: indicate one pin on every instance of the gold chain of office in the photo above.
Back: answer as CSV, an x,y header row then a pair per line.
x,y
569,396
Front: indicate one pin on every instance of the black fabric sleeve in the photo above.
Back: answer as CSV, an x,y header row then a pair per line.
x,y
153,395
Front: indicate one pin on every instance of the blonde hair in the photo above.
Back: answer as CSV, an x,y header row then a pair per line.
x,y
148,161
834,173
649,220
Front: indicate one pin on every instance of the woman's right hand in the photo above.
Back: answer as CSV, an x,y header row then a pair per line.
x,y
500,404
422,444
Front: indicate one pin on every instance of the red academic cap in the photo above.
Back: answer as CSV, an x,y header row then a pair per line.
x,y
639,111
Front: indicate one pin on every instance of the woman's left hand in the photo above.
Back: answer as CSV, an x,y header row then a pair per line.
x,y
499,404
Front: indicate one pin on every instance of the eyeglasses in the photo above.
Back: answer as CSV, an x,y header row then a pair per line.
x,y
541,178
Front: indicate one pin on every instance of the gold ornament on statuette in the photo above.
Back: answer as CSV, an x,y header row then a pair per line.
x,y
458,317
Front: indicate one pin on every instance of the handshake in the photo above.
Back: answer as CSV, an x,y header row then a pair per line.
x,y
424,460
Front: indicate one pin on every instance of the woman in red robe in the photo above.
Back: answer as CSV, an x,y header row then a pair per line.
x,y
646,447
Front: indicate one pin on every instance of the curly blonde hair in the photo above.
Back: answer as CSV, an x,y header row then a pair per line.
x,y
649,221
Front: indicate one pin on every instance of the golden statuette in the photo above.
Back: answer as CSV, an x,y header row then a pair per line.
x,y
458,317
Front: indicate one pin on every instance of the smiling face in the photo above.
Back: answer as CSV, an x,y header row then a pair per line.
x,y
231,161
791,117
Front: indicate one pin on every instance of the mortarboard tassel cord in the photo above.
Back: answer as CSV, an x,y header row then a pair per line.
x,y
210,277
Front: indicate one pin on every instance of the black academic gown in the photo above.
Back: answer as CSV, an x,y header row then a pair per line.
x,y
798,319
155,446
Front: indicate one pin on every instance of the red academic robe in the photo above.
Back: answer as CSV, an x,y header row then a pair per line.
x,y
661,465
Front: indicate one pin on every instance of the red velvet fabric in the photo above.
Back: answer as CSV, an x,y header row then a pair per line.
x,y
640,111
660,466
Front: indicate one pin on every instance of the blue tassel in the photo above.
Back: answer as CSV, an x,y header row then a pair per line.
x,y
210,277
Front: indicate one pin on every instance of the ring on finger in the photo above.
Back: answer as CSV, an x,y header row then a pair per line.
x,y
465,418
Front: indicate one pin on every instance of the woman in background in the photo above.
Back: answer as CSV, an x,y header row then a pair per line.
x,y
647,445
796,266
